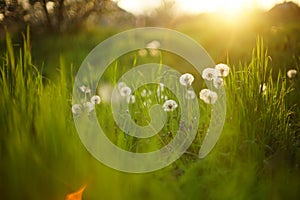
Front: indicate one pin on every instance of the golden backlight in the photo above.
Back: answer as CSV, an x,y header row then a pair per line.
x,y
230,7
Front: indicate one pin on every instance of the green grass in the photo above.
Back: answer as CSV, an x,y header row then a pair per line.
x,y
42,157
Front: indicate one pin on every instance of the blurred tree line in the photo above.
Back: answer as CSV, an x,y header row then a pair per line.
x,y
50,15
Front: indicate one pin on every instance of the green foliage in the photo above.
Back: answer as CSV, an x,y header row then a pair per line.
x,y
41,156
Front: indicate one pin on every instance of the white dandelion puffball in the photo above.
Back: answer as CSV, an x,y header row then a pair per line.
x,y
223,69
125,91
153,45
292,73
88,106
209,74
186,79
208,96
76,109
121,85
84,89
218,82
170,105
190,94
95,99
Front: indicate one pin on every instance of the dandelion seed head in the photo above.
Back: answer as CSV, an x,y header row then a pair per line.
x,y
88,106
95,99
209,74
153,48
153,45
121,85
292,73
223,69
186,79
125,91
85,89
76,109
208,96
218,82
170,105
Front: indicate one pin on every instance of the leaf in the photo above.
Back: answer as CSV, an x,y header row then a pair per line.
x,y
76,195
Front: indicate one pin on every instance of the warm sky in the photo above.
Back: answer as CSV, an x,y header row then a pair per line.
x,y
197,6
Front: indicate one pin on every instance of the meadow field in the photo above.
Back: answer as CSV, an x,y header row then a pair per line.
x,y
256,157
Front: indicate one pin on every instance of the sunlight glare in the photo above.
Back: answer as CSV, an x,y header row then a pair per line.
x,y
196,6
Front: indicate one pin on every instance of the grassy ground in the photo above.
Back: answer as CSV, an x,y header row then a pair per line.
x,y
257,156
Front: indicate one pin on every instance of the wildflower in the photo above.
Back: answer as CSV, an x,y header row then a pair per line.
x,y
95,99
169,105
125,91
292,73
142,52
186,79
130,99
209,74
218,82
190,94
88,106
84,89
76,109
223,69
208,96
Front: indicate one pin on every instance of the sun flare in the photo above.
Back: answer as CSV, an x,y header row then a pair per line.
x,y
196,6
229,8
